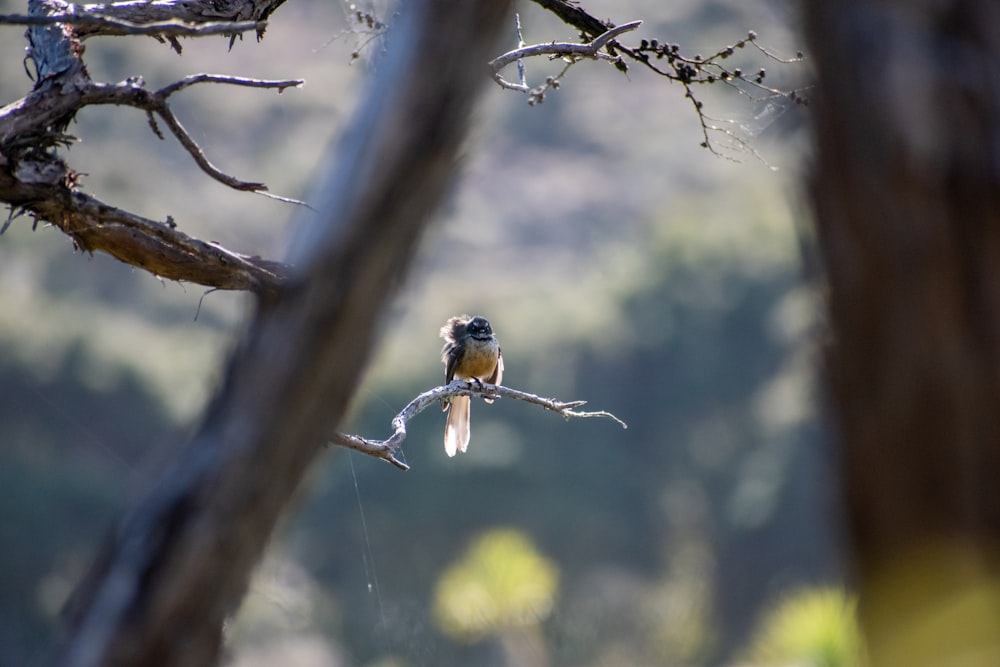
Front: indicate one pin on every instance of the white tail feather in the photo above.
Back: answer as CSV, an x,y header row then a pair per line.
x,y
456,429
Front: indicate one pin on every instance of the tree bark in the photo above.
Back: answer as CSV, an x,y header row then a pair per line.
x,y
906,191
180,561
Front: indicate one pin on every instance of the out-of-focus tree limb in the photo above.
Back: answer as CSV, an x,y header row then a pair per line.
x,y
181,559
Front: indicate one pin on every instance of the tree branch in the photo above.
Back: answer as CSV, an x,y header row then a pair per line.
x,y
38,188
556,49
573,15
687,70
93,25
163,18
43,185
35,181
386,449
156,102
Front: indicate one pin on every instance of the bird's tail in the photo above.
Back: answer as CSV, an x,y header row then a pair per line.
x,y
456,429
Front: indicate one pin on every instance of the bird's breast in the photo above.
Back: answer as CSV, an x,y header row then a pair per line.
x,y
479,360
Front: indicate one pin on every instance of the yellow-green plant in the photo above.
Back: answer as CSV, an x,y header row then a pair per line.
x,y
501,582
812,627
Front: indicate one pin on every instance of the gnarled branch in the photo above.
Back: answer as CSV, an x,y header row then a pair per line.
x,y
164,18
92,25
155,246
37,182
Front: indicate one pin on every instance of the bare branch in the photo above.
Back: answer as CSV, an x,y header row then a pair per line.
x,y
558,49
521,76
44,186
280,84
386,449
39,188
572,14
130,18
111,26
36,182
563,48
194,150
687,70
156,102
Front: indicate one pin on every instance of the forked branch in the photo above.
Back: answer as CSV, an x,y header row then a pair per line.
x,y
673,63
386,449
156,102
559,49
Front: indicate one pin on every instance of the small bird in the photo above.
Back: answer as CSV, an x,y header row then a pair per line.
x,y
471,352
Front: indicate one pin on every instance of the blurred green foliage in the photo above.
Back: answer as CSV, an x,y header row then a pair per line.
x,y
812,627
68,450
501,582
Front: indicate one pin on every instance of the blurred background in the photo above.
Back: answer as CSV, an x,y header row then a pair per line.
x,y
619,263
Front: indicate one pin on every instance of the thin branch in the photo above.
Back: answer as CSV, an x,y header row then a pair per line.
x,y
558,49
521,76
280,84
113,26
687,70
386,449
194,150
589,50
157,102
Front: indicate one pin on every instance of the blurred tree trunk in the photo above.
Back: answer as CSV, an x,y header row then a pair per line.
x,y
906,190
180,561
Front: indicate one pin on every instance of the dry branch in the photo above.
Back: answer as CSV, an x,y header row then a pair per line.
x,y
37,182
688,70
157,247
42,185
92,25
558,49
386,449
164,18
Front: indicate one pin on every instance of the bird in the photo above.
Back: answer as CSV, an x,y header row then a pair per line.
x,y
471,352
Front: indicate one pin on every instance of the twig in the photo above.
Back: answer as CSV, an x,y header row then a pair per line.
x,y
386,449
557,49
678,67
521,76
280,84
